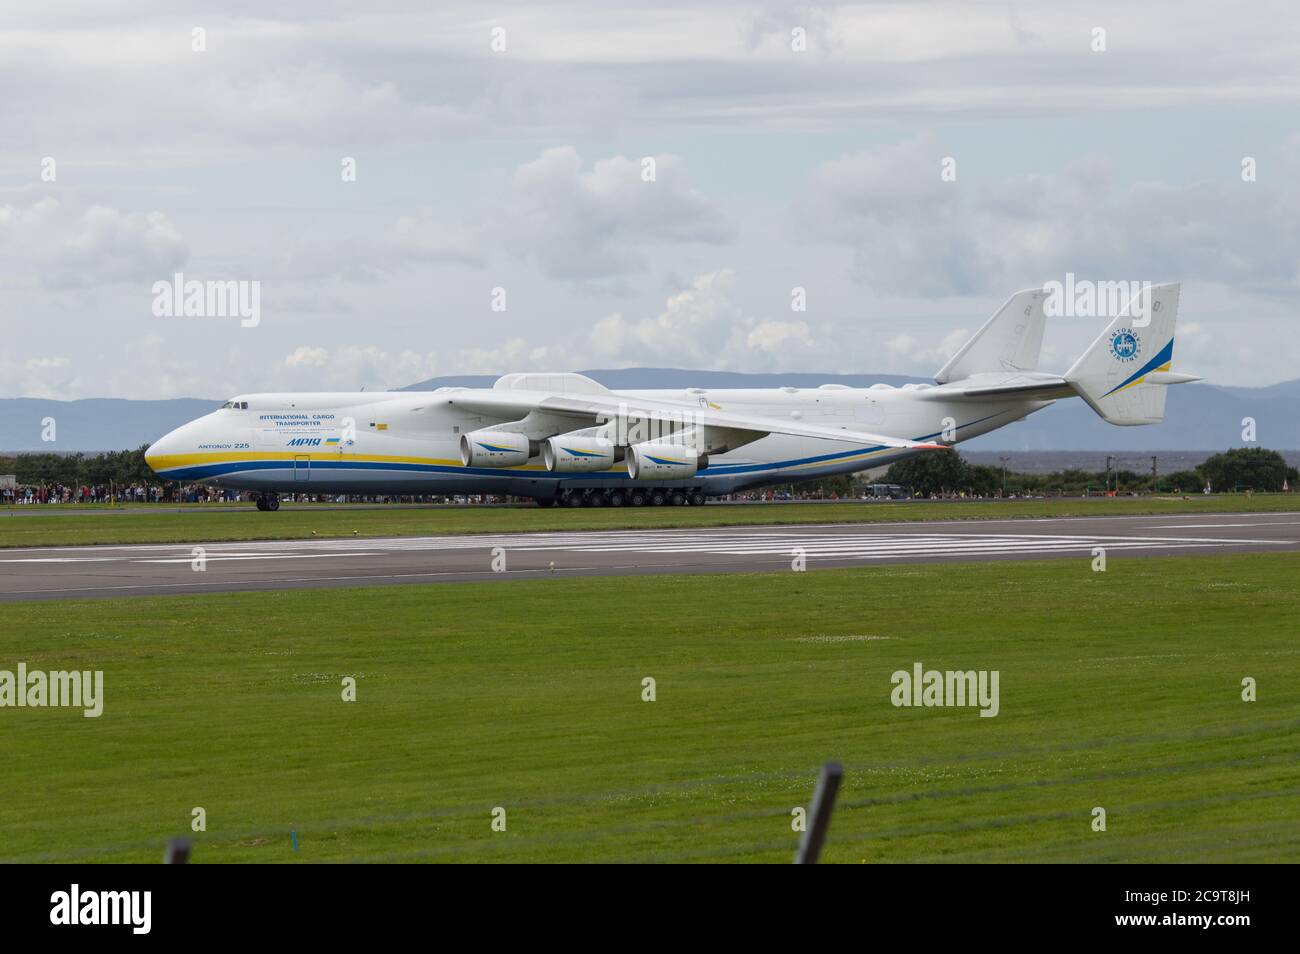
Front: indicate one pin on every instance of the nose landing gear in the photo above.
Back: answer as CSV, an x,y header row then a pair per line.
x,y
268,502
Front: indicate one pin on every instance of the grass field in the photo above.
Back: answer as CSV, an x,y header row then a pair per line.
x,y
1117,689
207,523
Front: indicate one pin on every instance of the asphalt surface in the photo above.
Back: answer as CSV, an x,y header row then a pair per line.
x,y
107,571
226,508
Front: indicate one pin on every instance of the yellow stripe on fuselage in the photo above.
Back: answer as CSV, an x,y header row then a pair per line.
x,y
165,462
173,461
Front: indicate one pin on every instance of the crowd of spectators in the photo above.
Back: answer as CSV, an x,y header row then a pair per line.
x,y
34,494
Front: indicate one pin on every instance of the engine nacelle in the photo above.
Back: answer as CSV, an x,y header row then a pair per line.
x,y
662,461
489,448
576,454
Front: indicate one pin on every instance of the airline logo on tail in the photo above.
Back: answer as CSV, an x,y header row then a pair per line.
x,y
1125,345
1161,362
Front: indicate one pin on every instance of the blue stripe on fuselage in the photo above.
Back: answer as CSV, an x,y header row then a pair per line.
x,y
206,471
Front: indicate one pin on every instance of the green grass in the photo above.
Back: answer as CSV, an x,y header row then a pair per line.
x,y
209,523
1118,689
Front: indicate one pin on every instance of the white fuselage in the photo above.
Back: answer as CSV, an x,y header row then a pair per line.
x,y
405,442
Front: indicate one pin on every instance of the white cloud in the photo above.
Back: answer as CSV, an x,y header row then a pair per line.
x,y
350,367
700,326
307,357
770,31
423,238
695,326
46,364
913,234
285,78
512,354
40,377
703,326
780,337
371,254
61,247
230,168
909,352
579,223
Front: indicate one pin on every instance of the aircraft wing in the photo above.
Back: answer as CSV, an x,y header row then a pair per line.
x,y
588,410
1029,385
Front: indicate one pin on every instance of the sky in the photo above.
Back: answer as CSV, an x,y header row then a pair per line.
x,y
422,189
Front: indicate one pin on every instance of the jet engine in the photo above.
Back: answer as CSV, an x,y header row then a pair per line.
x,y
576,454
662,461
488,448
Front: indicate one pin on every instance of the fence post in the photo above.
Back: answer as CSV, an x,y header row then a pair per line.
x,y
178,852
823,803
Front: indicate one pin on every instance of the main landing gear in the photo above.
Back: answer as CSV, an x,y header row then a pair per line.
x,y
632,497
268,502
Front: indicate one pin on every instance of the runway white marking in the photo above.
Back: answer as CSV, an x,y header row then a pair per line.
x,y
1206,526
65,560
870,545
258,556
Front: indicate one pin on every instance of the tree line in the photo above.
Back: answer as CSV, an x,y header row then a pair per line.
x,y
940,472
1239,469
81,470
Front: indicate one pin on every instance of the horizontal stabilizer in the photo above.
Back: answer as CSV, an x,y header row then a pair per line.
x,y
1037,386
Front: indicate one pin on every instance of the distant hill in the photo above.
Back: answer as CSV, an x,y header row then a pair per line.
x,y
1198,416
94,424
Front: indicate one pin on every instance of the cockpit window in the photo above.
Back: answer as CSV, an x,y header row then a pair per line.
x,y
227,404
236,405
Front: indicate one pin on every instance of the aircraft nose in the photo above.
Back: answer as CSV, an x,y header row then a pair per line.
x,y
156,454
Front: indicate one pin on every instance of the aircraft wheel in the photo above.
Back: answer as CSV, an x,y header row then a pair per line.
x,y
573,500
545,501
273,503
638,498
657,498
593,499
261,503
617,498
677,498
698,498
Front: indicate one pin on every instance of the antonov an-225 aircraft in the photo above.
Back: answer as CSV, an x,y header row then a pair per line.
x,y
564,438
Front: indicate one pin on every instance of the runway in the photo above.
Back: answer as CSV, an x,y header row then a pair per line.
x,y
108,571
